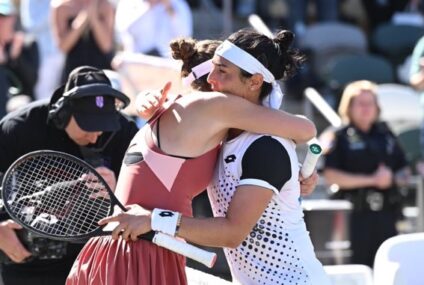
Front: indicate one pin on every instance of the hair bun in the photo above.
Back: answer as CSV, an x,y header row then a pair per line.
x,y
284,39
183,49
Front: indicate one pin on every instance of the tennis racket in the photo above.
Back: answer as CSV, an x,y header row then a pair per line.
x,y
59,196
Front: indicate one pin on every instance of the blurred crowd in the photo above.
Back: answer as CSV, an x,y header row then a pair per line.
x,y
42,41
53,37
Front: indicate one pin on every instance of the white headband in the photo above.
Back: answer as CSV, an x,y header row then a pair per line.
x,y
197,72
247,62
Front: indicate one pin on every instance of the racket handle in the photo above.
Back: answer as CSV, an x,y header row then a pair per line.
x,y
311,159
205,257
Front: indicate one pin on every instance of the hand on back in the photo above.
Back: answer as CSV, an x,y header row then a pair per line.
x,y
148,102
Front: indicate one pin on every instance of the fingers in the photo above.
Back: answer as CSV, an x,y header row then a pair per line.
x,y
13,225
104,221
92,181
102,170
148,102
10,243
126,233
103,194
134,237
164,92
119,230
130,224
307,185
313,179
152,102
19,253
108,175
117,61
116,223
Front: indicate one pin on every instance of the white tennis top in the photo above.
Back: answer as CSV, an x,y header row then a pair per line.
x,y
278,250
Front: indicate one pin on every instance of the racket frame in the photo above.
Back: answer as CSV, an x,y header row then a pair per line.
x,y
35,154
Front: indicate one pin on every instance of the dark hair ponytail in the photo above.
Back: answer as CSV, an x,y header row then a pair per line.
x,y
275,54
289,58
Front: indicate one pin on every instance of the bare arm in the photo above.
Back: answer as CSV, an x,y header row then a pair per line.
x,y
67,35
101,17
417,80
381,178
231,111
236,112
247,206
347,180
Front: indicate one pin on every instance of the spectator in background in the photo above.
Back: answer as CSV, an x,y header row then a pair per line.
x,y
365,160
327,10
36,20
84,32
18,57
382,11
71,124
147,26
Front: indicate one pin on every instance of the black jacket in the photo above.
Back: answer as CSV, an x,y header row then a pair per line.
x,y
27,130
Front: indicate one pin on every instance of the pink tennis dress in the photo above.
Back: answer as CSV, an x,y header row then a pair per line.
x,y
151,179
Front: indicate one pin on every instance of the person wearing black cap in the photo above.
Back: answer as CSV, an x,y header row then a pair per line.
x,y
82,119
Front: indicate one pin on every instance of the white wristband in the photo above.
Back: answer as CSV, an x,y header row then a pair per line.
x,y
165,221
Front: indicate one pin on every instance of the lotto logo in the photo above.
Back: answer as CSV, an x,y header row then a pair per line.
x,y
230,158
166,214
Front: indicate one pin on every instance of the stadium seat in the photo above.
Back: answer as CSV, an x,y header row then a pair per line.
x,y
399,261
403,70
395,42
349,274
327,40
345,69
410,142
400,106
331,35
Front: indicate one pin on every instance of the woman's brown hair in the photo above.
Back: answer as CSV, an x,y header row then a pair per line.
x,y
192,53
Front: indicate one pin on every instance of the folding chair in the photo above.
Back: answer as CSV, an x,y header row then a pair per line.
x,y
400,106
409,139
399,261
394,41
330,39
345,69
349,274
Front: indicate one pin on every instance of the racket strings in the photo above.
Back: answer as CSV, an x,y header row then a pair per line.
x,y
53,195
